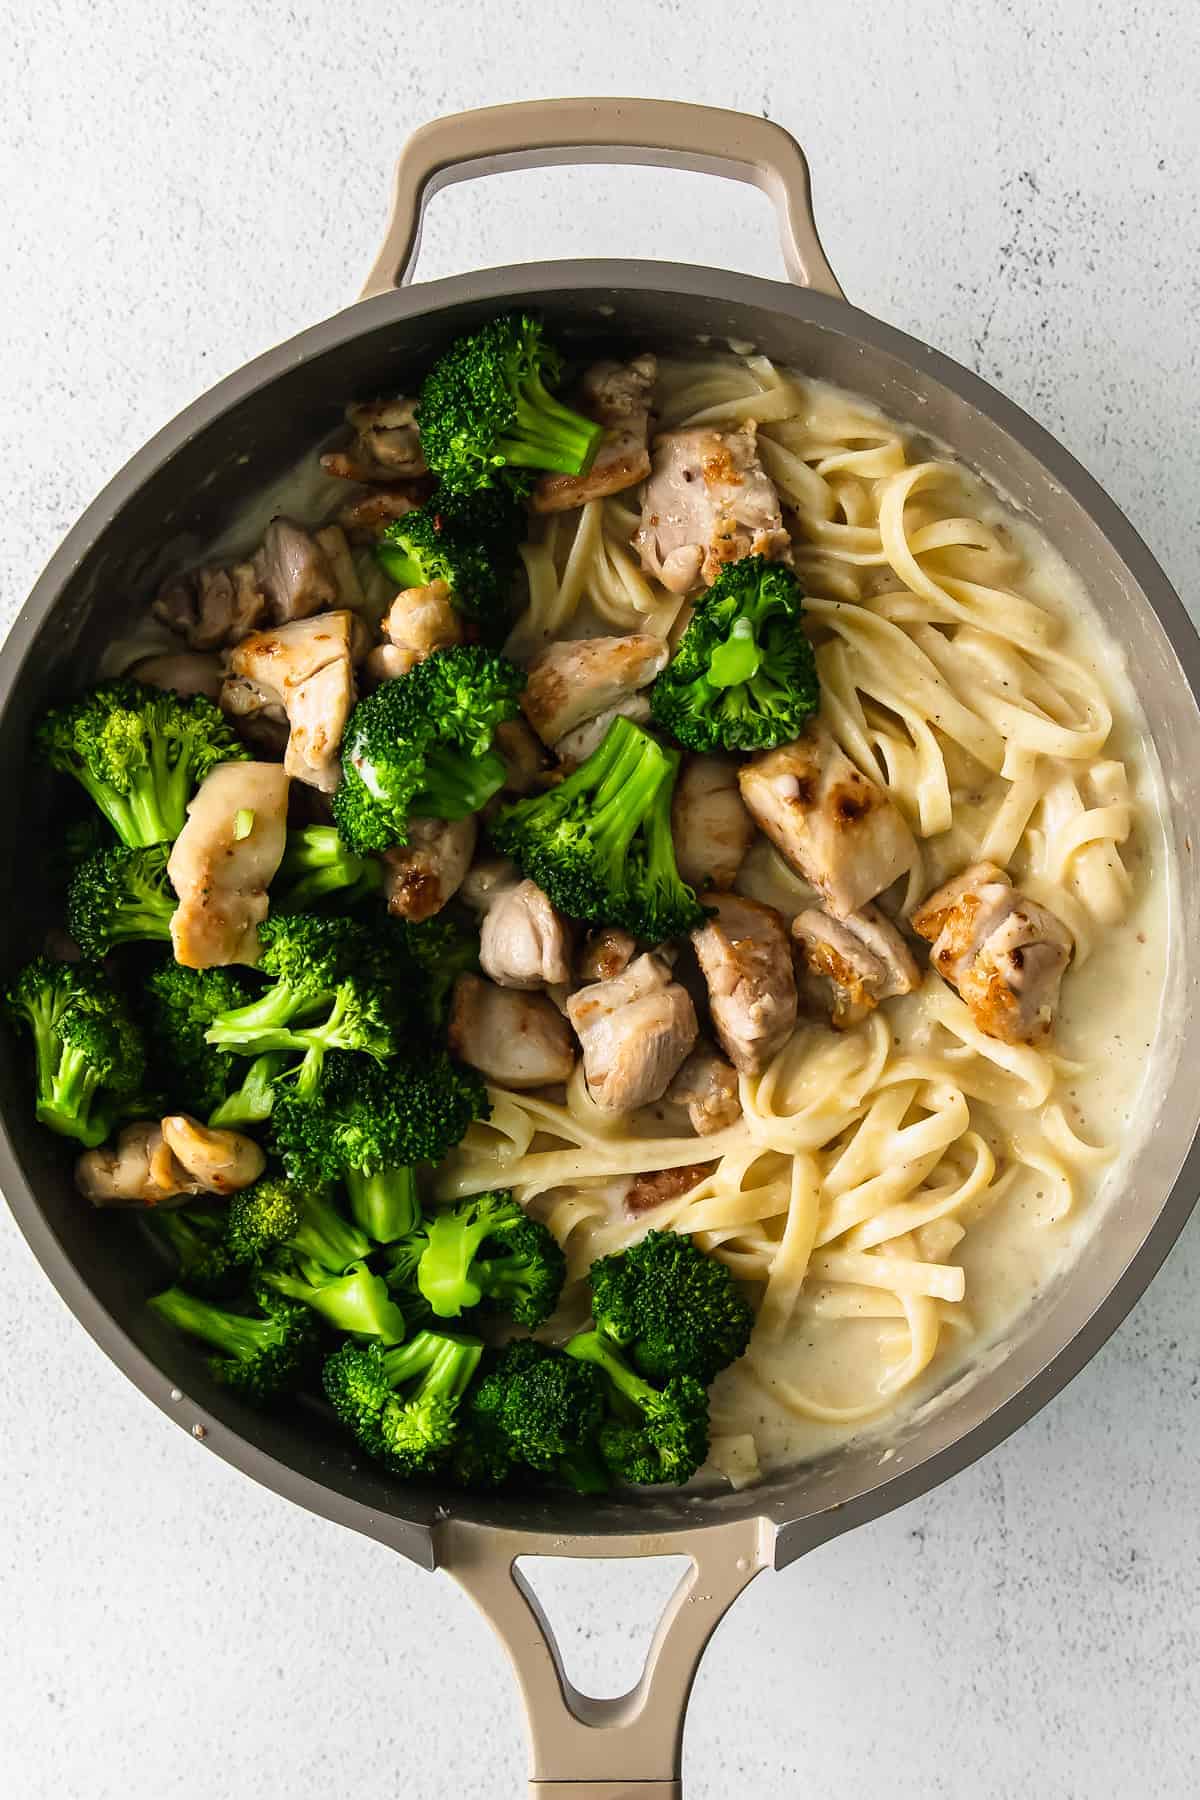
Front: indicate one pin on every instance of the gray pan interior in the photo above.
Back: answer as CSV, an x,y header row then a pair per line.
x,y
180,488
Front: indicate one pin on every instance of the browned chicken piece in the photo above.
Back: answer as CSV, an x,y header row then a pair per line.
x,y
607,951
212,608
1004,953
386,443
223,860
746,960
153,1163
619,397
385,663
333,542
708,1086
524,758
834,826
635,1030
517,1040
423,619
308,668
851,964
181,672
708,502
578,745
709,822
421,876
258,720
655,1188
369,513
293,572
524,941
577,679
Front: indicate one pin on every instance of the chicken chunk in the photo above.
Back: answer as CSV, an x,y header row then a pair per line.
x,y
259,720
608,951
708,502
333,543
517,1040
578,745
851,964
524,941
1004,953
709,822
152,1163
367,514
523,756
212,608
421,620
180,672
746,961
386,443
223,860
708,1086
657,1186
308,668
834,826
293,572
619,397
421,876
635,1030
486,879
386,663
577,679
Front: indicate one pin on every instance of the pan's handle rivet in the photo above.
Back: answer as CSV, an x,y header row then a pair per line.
x,y
177,1393
199,1431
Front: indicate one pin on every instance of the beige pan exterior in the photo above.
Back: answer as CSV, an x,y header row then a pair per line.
x,y
169,498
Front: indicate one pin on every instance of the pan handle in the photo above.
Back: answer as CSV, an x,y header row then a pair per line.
x,y
665,134
587,1749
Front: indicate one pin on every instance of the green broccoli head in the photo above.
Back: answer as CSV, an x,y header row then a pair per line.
x,y
676,1310
599,844
181,1005
743,676
276,1217
487,415
120,895
259,1353
422,747
486,1251
539,1409
469,541
89,1055
651,1434
195,1237
402,1405
140,753
318,869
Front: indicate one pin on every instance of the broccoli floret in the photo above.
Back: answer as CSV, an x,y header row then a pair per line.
x,y
743,676
90,1057
139,752
676,1310
327,993
357,1302
487,416
534,1408
402,1405
422,747
485,1251
652,1434
468,541
600,842
318,867
195,1236
274,1215
440,950
259,1355
369,1126
181,1004
119,896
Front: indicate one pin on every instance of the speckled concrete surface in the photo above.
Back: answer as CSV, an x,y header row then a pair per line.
x,y
185,185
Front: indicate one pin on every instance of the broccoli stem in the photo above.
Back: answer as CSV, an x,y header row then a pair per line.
x,y
456,784
324,1237
597,1347
68,1102
444,1273
251,1103
549,435
357,1302
402,566
265,1024
385,1204
445,1364
229,1332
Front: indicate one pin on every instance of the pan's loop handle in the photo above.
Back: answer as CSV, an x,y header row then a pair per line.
x,y
587,1749
664,134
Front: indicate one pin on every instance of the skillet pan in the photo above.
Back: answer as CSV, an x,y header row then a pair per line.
x,y
174,495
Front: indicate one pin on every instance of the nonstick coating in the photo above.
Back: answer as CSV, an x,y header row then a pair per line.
x,y
175,494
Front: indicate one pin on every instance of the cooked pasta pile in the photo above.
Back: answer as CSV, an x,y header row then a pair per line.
x,y
862,1158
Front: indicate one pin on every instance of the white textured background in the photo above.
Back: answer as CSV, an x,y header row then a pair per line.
x,y
183,185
